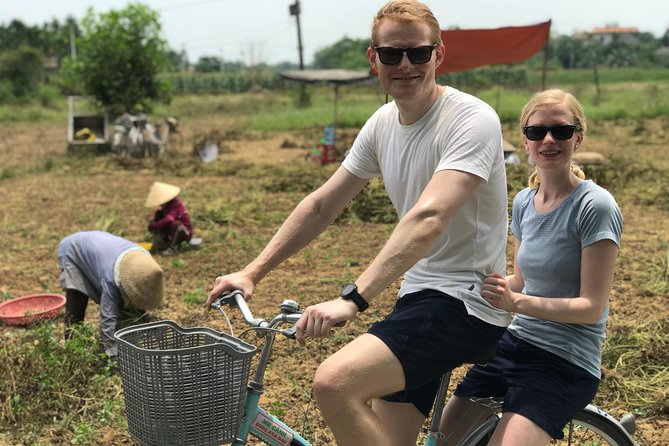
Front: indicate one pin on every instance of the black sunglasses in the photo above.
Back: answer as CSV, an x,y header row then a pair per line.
x,y
389,55
538,132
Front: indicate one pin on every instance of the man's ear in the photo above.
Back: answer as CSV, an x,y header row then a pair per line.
x,y
441,55
371,56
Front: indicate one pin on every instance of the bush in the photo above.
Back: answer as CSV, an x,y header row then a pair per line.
x,y
45,380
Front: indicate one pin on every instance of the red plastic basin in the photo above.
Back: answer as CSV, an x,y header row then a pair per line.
x,y
26,309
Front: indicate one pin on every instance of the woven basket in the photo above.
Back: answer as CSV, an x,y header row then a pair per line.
x,y
183,386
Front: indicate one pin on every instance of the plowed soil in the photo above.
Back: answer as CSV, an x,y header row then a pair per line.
x,y
44,199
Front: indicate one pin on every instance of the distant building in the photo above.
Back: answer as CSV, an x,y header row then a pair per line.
x,y
611,33
50,63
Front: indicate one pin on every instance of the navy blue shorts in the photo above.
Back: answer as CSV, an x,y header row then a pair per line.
x,y
430,333
536,384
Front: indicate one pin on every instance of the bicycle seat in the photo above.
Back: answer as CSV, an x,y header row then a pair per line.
x,y
485,356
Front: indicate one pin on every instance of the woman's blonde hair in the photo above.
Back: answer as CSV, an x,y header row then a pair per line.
x,y
406,11
550,98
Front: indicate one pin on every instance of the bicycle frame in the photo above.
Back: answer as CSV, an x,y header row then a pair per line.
x,y
256,420
262,424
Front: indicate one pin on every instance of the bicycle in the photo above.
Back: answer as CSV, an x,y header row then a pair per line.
x,y
591,427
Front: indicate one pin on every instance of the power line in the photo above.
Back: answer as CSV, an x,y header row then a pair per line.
x,y
187,5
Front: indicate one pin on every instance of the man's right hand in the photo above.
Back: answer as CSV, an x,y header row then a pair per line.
x,y
231,282
317,320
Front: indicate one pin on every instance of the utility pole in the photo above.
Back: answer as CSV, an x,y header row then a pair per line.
x,y
295,10
73,44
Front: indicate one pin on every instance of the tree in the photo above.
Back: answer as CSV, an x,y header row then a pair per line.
x,y
176,61
119,57
347,53
209,64
22,70
664,40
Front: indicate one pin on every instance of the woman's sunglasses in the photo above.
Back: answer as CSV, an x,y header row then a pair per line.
x,y
389,55
538,132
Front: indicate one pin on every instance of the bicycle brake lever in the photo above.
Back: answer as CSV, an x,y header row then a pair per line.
x,y
289,332
226,298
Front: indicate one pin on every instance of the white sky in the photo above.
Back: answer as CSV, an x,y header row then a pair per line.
x,y
255,30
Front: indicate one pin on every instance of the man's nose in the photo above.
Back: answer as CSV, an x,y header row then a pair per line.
x,y
404,61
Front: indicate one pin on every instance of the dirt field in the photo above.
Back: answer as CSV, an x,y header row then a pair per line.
x,y
46,196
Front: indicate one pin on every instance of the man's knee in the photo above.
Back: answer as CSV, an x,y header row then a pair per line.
x,y
327,382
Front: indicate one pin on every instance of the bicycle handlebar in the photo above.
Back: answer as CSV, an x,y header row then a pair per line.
x,y
290,313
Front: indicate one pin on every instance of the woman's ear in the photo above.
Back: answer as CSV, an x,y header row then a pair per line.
x,y
579,141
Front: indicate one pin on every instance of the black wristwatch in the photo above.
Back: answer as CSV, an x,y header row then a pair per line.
x,y
350,292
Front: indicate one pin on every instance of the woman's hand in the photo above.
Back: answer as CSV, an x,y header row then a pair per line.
x,y
497,292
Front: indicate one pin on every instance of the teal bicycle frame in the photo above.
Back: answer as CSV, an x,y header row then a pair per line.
x,y
256,420
267,427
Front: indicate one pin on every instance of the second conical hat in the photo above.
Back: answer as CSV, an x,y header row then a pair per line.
x,y
160,194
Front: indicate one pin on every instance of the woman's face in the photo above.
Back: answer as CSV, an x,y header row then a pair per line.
x,y
550,152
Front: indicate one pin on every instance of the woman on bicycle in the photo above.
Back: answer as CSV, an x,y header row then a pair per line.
x,y
567,235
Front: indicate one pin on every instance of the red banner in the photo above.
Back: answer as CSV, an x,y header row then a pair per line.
x,y
471,48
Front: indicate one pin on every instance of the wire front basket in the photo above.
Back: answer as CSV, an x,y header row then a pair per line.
x,y
183,386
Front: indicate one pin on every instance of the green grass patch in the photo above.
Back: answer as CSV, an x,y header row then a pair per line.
x,y
53,388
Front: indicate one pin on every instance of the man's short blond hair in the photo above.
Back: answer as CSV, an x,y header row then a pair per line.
x,y
406,11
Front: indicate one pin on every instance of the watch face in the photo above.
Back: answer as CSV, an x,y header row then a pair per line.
x,y
348,289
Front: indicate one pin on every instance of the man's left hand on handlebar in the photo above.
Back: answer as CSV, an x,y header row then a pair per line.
x,y
317,320
231,282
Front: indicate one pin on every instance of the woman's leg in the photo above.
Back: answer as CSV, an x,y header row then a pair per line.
x,y
75,310
178,233
514,429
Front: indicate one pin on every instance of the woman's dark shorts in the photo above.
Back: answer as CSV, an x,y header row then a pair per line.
x,y
536,384
430,333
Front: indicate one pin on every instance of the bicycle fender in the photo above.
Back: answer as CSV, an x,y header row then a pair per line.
x,y
596,411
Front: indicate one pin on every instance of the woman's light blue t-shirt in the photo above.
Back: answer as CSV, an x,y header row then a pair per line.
x,y
550,259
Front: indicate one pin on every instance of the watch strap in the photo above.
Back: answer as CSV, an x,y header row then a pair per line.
x,y
352,294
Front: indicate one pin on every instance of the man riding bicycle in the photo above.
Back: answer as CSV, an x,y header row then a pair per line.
x,y
439,153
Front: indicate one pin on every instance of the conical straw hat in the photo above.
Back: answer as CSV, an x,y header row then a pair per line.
x,y
141,280
160,194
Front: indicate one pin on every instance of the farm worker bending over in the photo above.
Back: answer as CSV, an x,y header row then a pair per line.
x,y
439,152
170,224
116,273
567,233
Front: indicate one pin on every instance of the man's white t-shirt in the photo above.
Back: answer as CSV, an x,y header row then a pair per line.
x,y
459,132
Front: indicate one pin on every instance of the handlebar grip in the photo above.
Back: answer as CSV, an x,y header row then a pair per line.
x,y
290,332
